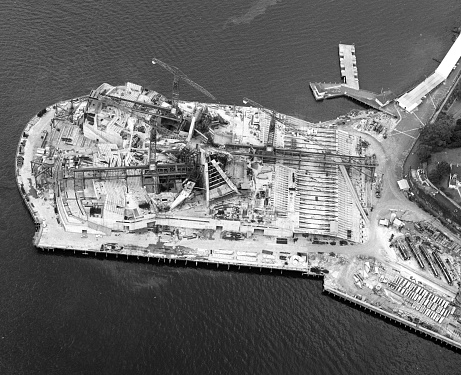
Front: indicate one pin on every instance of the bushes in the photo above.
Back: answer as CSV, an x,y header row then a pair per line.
x,y
455,95
443,133
438,135
424,153
456,135
439,172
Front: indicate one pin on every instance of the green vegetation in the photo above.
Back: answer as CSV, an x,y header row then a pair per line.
x,y
439,172
455,95
443,133
449,155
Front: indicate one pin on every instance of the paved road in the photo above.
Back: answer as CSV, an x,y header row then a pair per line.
x,y
392,154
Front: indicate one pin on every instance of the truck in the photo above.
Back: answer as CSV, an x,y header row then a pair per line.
x,y
378,186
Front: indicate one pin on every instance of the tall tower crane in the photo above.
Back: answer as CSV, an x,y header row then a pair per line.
x,y
177,76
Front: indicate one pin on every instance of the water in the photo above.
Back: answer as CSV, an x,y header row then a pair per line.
x,y
63,315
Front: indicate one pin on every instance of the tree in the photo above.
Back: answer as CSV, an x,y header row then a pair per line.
x,y
434,176
455,139
439,172
457,91
424,152
438,135
444,168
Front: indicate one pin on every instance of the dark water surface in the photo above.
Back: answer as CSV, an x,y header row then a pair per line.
x,y
66,315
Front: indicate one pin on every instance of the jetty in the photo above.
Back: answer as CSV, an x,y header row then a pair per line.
x,y
395,317
350,85
384,102
126,173
348,65
380,102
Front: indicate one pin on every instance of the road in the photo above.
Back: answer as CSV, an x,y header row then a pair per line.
x,y
394,165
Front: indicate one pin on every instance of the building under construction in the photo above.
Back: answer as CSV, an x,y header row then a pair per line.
x,y
127,159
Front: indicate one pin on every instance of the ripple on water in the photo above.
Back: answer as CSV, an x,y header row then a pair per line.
x,y
64,314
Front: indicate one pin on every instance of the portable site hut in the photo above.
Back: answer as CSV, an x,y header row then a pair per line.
x,y
403,185
397,223
384,222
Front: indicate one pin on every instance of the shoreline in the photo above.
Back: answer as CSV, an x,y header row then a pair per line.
x,y
302,258
253,268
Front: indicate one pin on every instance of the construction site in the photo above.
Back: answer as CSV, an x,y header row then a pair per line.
x,y
128,172
127,159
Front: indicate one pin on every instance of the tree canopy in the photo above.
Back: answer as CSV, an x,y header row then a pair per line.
x,y
438,135
424,153
439,172
443,133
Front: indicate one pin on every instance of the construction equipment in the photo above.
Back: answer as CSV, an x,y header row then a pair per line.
x,y
379,186
177,76
307,136
271,113
156,111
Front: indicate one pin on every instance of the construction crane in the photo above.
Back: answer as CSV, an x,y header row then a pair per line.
x,y
177,76
117,102
156,113
288,127
271,113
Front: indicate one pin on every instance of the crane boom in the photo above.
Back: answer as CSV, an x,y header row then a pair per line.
x,y
307,137
177,76
260,106
138,112
111,100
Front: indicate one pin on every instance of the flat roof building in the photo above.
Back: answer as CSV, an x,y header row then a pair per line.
x,y
403,185
413,98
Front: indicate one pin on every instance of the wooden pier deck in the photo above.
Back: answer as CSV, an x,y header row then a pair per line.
x,y
350,85
348,64
381,102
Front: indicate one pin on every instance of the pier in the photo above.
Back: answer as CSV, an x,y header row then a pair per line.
x,y
391,317
219,258
348,65
298,209
235,262
381,102
350,85
409,101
